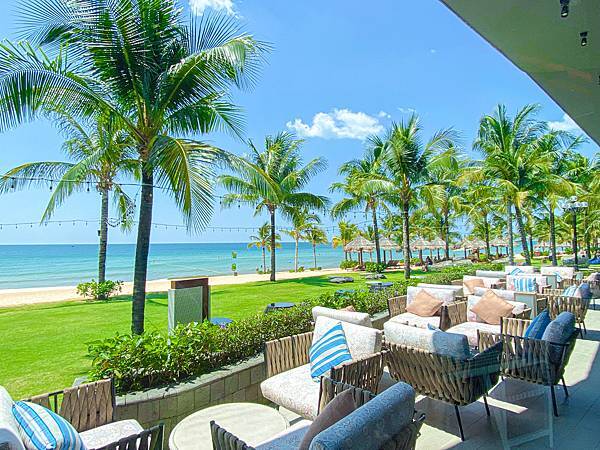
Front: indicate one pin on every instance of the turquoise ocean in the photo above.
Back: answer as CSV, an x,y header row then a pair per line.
x,y
25,266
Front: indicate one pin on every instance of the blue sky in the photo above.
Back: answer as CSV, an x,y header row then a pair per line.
x,y
339,70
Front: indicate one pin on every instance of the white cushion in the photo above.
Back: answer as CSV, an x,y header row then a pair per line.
x,y
469,329
362,341
472,300
523,269
566,273
540,280
109,433
503,293
288,439
439,342
9,430
294,390
458,290
444,295
490,273
488,282
416,321
356,318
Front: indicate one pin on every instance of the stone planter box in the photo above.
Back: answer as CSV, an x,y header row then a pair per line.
x,y
170,404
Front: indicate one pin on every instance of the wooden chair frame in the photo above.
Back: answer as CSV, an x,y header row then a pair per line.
x,y
555,302
457,313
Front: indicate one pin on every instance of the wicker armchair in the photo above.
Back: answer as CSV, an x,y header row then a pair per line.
x,y
93,405
555,302
406,440
290,352
456,381
397,306
530,359
457,313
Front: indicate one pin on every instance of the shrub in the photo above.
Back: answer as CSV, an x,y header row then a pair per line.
x,y
375,267
99,291
347,264
155,358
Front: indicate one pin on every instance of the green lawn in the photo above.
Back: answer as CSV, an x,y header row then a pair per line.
x,y
44,346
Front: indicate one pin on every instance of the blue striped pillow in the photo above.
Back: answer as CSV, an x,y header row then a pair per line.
x,y
515,271
525,284
41,429
570,291
328,351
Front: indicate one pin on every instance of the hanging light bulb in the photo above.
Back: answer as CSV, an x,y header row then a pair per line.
x,y
583,36
564,8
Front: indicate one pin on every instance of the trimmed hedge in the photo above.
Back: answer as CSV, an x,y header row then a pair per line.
x,y
155,358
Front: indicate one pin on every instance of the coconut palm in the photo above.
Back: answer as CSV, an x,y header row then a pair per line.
x,y
302,220
480,204
161,76
363,187
407,159
347,232
273,179
315,235
262,240
517,166
100,154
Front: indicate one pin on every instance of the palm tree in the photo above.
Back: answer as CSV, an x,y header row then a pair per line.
x,y
262,240
347,232
302,220
480,204
274,179
101,152
362,187
512,160
408,160
315,235
162,77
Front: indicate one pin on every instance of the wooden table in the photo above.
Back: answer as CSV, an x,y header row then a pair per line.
x,y
251,422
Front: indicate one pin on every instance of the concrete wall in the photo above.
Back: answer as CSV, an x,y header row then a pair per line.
x,y
170,404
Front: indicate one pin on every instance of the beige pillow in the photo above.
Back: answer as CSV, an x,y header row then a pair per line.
x,y
491,308
424,305
471,284
348,308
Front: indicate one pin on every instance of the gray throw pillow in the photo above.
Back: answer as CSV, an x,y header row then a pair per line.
x,y
559,331
342,405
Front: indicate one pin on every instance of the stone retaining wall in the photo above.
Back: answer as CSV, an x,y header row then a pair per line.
x,y
170,404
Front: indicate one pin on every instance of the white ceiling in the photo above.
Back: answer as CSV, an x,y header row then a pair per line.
x,y
532,34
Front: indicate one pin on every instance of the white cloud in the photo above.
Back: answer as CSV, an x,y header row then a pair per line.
x,y
566,124
407,110
432,51
198,6
338,124
384,115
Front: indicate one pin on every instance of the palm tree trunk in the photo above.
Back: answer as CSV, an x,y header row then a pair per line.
x,y
553,237
296,256
264,250
272,211
523,235
406,238
315,254
142,249
511,244
486,229
586,236
103,232
376,234
447,234
531,245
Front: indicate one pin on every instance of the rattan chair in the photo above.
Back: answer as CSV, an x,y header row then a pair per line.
x,y
92,405
530,359
456,381
457,313
556,302
397,306
406,440
290,352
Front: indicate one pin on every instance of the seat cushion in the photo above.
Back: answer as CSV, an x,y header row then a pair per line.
x,y
509,296
445,295
354,317
424,305
559,331
563,273
490,273
328,351
491,308
458,290
9,430
362,341
111,432
294,390
416,321
372,425
470,329
288,439
448,344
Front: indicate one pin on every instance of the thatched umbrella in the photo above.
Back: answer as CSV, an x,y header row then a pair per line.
x,y
359,244
499,242
438,244
420,244
386,243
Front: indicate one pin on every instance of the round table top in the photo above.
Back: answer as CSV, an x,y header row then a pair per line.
x,y
282,305
251,422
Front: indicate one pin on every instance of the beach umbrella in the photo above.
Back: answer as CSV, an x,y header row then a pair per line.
x,y
499,242
386,244
542,245
420,244
438,244
359,245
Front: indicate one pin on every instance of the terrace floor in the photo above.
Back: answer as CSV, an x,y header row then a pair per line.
x,y
521,413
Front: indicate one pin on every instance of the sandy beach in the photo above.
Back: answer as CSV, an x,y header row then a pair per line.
x,y
32,296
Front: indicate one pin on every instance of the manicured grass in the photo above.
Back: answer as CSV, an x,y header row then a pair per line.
x,y
44,346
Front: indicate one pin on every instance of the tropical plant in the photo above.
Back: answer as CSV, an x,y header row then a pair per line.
x,y
347,232
162,77
262,240
364,186
100,152
273,180
302,221
315,235
408,161
516,166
